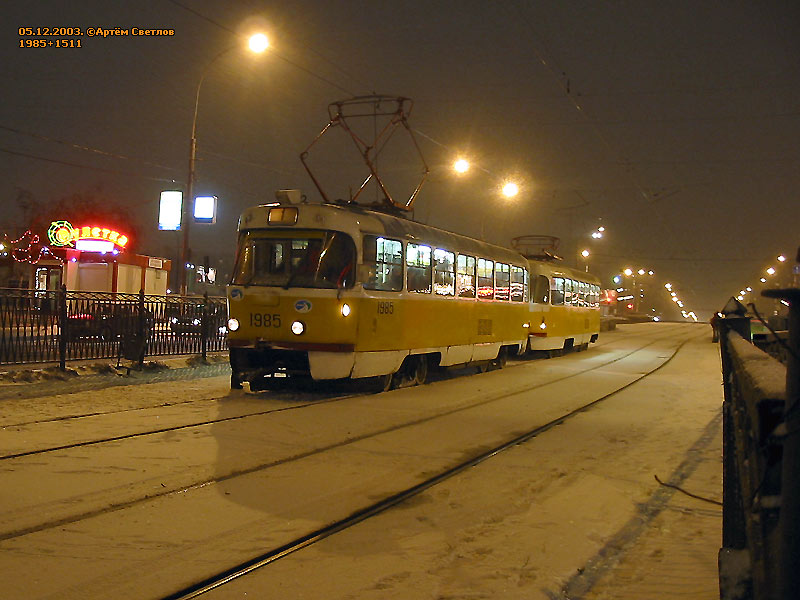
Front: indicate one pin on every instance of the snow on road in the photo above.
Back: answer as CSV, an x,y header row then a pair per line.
x,y
520,525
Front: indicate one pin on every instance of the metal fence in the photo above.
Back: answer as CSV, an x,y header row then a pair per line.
x,y
56,326
761,461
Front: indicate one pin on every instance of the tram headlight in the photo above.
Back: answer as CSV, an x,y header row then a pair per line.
x,y
233,324
298,328
345,309
543,325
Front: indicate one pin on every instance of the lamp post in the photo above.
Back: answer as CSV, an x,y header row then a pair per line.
x,y
257,43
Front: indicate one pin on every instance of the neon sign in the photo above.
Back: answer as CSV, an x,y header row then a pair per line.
x,y
62,233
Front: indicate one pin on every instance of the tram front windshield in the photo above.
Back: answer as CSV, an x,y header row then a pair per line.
x,y
324,259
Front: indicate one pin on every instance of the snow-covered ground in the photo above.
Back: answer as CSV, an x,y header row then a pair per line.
x,y
576,508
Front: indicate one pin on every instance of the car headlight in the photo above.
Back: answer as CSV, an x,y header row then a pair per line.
x,y
233,324
298,328
345,309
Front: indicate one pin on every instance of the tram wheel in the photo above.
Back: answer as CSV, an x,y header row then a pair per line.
x,y
421,370
501,360
385,382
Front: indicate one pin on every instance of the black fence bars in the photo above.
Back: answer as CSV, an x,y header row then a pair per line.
x,y
56,326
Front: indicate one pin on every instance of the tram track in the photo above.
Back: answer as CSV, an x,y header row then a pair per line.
x,y
363,513
263,466
161,430
316,397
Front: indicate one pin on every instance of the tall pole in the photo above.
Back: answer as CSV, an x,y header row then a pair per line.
x,y
186,211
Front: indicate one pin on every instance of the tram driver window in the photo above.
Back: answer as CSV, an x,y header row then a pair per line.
x,y
557,291
444,272
418,263
383,259
485,279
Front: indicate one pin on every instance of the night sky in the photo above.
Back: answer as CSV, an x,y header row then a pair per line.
x,y
675,125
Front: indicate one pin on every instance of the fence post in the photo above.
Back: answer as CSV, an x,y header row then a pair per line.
x,y
142,329
63,325
204,327
789,520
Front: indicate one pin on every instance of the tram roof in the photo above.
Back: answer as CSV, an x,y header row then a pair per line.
x,y
399,227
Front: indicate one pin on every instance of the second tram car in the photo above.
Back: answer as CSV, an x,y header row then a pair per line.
x,y
332,291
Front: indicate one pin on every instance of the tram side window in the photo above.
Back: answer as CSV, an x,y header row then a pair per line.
x,y
595,295
518,280
485,279
418,261
465,276
557,291
384,261
502,275
444,279
541,290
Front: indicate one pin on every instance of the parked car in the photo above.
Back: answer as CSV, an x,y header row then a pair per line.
x,y
107,321
188,318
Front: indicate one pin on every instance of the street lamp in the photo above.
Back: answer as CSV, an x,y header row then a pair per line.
x,y
257,43
461,165
585,255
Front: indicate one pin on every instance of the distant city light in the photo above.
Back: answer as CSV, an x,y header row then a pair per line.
x,y
585,254
668,286
641,271
781,258
763,280
628,272
771,271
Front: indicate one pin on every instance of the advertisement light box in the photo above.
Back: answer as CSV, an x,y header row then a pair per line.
x,y
205,209
169,210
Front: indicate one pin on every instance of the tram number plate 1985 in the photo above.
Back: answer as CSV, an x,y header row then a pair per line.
x,y
385,308
265,320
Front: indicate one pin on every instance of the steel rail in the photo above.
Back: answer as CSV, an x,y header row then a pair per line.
x,y
264,466
376,508
275,410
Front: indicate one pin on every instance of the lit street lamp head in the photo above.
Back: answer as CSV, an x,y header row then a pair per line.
x,y
258,43
510,189
461,165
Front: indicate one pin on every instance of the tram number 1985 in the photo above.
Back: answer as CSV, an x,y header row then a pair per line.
x,y
385,308
265,320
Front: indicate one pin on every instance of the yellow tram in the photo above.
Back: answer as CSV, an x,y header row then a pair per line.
x,y
332,291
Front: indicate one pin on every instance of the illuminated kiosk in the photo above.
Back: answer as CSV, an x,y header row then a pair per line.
x,y
99,263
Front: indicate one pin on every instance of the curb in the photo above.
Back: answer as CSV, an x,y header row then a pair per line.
x,y
21,374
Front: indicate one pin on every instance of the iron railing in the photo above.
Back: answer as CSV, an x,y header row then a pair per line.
x,y
761,457
56,326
